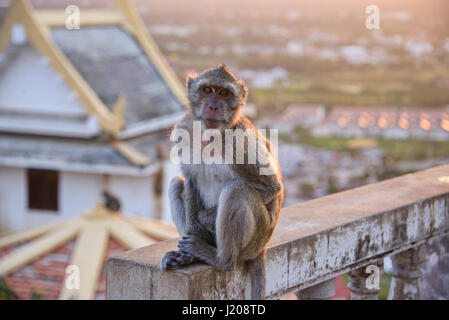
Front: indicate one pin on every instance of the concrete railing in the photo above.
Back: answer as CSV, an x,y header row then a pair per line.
x,y
314,242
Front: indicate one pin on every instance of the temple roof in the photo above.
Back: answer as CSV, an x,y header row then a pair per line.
x,y
113,64
135,157
86,95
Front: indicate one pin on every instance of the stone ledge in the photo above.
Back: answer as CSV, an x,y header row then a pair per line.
x,y
313,242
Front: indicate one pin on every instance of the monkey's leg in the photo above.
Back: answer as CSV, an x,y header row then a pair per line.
x,y
207,219
195,211
176,259
235,227
193,205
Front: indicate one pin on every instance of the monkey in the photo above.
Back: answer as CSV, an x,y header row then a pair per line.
x,y
225,213
110,201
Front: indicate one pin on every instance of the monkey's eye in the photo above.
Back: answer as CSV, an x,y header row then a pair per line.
x,y
223,92
207,90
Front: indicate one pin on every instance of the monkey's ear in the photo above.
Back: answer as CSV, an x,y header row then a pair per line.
x,y
190,77
244,89
189,82
222,66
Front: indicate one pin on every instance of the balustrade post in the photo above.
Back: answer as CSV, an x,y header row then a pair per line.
x,y
364,282
322,291
406,274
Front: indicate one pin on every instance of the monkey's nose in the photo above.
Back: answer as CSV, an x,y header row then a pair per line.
x,y
213,108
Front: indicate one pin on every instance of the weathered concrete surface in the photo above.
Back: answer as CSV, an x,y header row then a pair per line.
x,y
322,291
313,242
406,275
435,273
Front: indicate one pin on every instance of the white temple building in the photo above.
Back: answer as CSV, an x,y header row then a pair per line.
x,y
82,111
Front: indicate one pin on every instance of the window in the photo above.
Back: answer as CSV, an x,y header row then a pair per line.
x,y
43,189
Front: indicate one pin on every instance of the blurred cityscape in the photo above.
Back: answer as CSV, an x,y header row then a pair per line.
x,y
353,106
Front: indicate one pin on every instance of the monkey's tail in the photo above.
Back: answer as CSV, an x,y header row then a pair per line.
x,y
257,274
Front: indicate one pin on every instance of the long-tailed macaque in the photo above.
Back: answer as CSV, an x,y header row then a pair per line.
x,y
225,212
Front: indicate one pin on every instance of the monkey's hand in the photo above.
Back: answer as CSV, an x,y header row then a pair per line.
x,y
175,259
191,244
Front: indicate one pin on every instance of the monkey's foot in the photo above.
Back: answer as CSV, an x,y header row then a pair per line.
x,y
204,252
175,259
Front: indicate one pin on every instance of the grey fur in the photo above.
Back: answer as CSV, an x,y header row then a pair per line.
x,y
225,213
176,203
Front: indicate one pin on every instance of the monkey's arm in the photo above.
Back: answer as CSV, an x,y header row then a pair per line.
x,y
268,186
192,205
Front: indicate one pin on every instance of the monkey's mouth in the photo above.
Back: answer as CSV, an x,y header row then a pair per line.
x,y
212,123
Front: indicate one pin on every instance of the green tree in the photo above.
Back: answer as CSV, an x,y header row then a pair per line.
x,y
36,294
6,292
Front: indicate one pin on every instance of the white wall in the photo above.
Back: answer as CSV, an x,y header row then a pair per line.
x,y
30,84
12,198
135,194
78,192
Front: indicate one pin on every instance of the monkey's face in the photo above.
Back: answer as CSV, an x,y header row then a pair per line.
x,y
215,105
216,97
